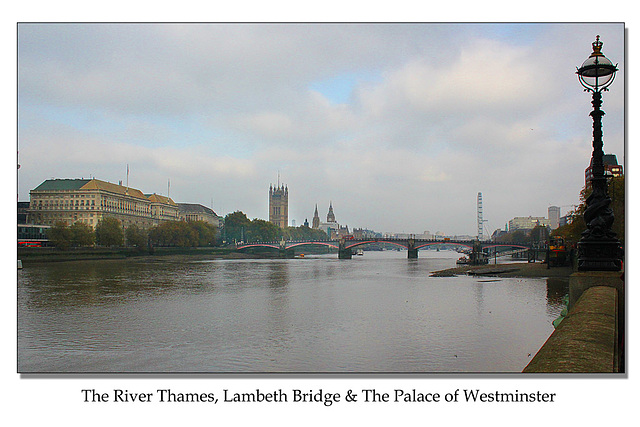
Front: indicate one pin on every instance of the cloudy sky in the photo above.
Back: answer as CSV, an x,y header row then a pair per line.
x,y
398,125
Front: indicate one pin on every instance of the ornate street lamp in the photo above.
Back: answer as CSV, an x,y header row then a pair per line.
x,y
598,249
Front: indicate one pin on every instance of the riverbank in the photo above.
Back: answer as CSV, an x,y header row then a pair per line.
x,y
520,269
43,255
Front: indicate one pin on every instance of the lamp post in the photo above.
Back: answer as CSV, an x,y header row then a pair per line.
x,y
598,249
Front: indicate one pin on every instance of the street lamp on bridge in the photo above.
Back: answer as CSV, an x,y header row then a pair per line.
x,y
598,249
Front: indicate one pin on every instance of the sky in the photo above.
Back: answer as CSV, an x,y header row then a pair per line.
x,y
399,126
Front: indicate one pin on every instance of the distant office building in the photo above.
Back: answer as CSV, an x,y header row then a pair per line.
x,y
425,235
279,205
554,217
23,210
196,212
497,234
89,200
564,220
362,233
611,166
527,223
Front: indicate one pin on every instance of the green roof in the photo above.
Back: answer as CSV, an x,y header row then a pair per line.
x,y
61,184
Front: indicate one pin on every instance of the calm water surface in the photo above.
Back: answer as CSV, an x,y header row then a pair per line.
x,y
377,313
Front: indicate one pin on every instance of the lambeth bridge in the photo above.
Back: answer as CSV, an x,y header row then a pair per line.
x,y
478,250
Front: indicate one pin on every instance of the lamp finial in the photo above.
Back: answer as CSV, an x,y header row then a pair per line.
x,y
597,47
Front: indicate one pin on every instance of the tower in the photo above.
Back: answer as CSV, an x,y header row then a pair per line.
x,y
480,219
330,216
316,219
279,205
554,217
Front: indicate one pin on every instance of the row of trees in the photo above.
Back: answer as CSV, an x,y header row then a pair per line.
x,y
574,228
239,228
109,232
538,235
572,231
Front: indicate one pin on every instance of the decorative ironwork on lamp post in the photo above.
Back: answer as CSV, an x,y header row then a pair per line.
x,y
598,249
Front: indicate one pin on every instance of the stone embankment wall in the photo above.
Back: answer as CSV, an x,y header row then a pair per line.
x,y
587,339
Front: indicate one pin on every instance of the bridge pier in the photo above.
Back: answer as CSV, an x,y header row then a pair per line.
x,y
283,251
477,257
343,251
412,252
286,253
344,254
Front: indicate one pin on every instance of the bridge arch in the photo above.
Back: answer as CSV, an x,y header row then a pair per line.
x,y
295,245
443,243
366,242
258,245
505,245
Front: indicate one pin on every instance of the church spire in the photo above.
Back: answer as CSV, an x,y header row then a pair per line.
x,y
331,216
315,222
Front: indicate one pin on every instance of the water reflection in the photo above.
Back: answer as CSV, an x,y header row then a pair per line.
x,y
557,289
376,313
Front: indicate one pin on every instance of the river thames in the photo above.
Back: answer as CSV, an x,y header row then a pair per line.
x,y
377,313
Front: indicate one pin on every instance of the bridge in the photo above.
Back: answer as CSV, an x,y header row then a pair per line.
x,y
478,249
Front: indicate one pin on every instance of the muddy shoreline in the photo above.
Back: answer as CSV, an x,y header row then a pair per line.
x,y
522,269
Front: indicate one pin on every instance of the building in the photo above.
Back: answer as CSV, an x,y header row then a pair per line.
x,y
89,200
279,205
527,223
554,217
567,219
497,234
197,212
611,167
330,215
331,227
315,224
362,233
163,208
23,209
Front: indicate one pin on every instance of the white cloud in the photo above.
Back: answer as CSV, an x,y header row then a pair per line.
x,y
220,109
271,125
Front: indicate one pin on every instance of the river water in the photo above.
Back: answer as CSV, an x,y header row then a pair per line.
x,y
380,312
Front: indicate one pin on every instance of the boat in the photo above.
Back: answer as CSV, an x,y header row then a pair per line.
x,y
462,260
359,252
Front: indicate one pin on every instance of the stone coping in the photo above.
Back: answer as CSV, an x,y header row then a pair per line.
x,y
586,340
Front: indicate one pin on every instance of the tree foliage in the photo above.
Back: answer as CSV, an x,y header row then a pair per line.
x,y
183,234
109,232
60,235
539,235
305,233
82,234
239,228
260,230
135,236
572,231
236,225
206,233
516,236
